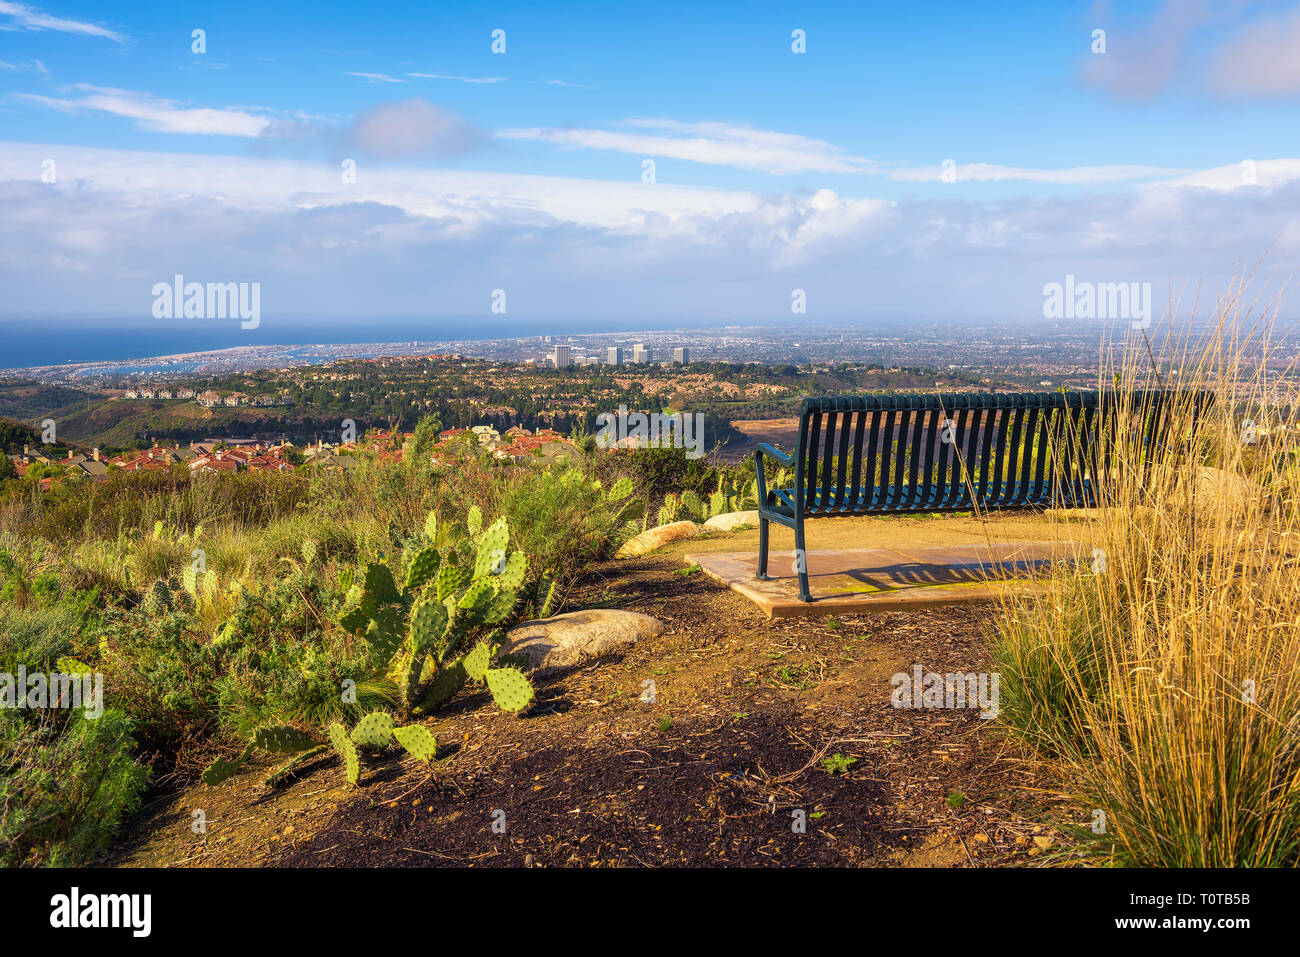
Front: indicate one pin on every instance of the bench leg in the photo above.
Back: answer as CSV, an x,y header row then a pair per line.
x,y
762,550
801,559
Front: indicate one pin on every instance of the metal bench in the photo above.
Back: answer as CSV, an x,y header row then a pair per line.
x,y
956,452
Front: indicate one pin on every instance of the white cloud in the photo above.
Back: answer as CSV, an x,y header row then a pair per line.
x,y
458,79
376,77
154,113
1263,59
718,144
1072,176
428,242
24,17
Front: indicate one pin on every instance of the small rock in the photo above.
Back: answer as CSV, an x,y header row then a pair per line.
x,y
653,538
731,521
577,637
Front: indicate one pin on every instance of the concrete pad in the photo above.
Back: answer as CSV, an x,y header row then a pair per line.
x,y
856,580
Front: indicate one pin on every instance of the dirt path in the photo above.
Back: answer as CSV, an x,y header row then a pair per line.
x,y
714,772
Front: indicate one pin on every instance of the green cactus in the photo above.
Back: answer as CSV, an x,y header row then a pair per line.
x,y
512,575
491,557
431,527
619,490
384,635
717,504
346,750
451,578
478,661
692,505
412,633
374,730
510,689
286,770
282,739
157,601
308,551
418,741
378,582
423,567
474,521
548,603
445,685
275,739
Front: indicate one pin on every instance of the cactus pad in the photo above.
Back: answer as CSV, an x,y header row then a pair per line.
x,y
450,579
219,770
477,661
347,751
427,625
374,730
379,583
620,490
423,567
446,684
417,740
510,689
281,739
512,576
477,596
383,636
474,520
492,548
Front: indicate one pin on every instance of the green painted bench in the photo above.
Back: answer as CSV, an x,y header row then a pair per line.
x,y
955,452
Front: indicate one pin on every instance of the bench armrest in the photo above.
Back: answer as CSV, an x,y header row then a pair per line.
x,y
771,452
760,473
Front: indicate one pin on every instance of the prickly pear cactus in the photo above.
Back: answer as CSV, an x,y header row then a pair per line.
x,y
474,521
378,583
431,527
450,580
308,551
417,740
282,739
219,770
491,557
444,686
477,661
424,566
374,730
346,750
692,505
548,603
384,636
512,574
619,490
510,689
157,601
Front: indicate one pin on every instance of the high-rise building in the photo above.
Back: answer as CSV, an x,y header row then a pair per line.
x,y
614,356
562,357
682,354
640,354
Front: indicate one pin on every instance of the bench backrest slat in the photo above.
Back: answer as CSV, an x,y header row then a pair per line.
x,y
888,453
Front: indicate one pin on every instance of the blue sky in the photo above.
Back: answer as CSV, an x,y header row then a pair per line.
x,y
1170,157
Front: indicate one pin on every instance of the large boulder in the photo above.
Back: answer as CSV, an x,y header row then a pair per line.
x,y
1221,491
574,638
653,538
731,521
